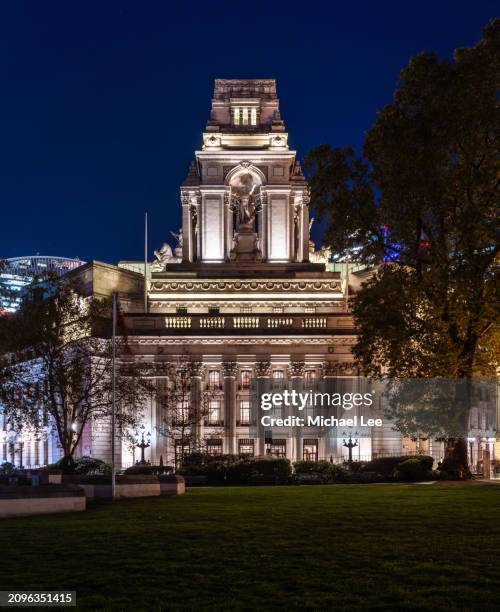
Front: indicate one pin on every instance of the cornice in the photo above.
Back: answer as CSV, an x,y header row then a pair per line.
x,y
241,340
236,285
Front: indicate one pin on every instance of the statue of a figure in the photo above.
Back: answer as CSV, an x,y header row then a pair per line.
x,y
243,201
163,256
178,237
323,255
246,212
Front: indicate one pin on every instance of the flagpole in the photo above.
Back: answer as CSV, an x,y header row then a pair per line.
x,y
347,281
113,402
145,261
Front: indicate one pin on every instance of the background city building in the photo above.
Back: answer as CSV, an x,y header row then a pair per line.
x,y
18,272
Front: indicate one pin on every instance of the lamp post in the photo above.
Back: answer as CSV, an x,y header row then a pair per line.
x,y
350,445
143,445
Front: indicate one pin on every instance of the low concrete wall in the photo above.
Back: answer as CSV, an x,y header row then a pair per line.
x,y
172,485
126,486
45,499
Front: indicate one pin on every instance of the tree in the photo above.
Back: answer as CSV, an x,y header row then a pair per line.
x,y
182,417
423,199
56,367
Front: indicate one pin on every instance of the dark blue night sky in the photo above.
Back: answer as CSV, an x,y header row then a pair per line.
x,y
102,103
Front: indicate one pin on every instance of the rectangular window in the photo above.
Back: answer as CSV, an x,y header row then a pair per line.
x,y
214,380
181,310
310,309
278,309
182,412
246,377
181,452
236,119
214,446
244,412
246,447
310,450
213,412
277,448
246,309
245,116
253,120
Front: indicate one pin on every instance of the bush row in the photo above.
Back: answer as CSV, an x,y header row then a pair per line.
x,y
402,467
231,469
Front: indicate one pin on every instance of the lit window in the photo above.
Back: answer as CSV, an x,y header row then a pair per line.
x,y
214,447
276,448
214,380
278,309
310,309
236,116
244,412
310,450
182,412
245,116
246,376
253,119
214,412
246,448
181,452
247,309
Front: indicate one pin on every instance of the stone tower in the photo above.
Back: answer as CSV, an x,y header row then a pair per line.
x,y
245,199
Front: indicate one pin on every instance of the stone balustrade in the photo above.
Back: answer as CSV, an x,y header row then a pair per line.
x,y
154,323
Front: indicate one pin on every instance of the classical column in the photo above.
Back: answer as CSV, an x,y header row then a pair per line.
x,y
296,375
304,242
197,371
187,230
228,214
263,225
230,408
263,373
329,370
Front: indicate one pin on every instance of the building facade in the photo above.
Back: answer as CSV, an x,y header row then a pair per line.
x,y
243,297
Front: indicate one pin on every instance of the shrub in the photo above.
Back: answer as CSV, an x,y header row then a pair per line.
x,y
279,467
415,468
141,469
364,478
240,472
86,466
8,469
230,469
385,466
321,471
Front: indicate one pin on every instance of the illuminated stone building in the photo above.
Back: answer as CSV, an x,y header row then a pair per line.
x,y
239,297
243,296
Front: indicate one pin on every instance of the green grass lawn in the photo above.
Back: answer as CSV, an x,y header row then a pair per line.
x,y
372,547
